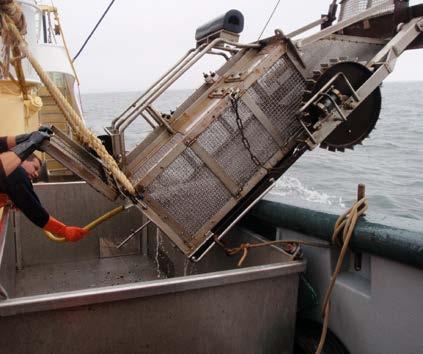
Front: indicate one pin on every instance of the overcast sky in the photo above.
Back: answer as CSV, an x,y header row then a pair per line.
x,y
140,39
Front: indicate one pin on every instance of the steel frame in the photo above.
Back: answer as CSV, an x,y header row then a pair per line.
x,y
245,67
407,34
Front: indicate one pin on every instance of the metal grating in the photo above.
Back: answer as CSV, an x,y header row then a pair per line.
x,y
143,169
189,192
81,162
223,141
351,8
279,94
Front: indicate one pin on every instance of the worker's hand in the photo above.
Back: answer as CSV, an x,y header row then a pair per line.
x,y
23,137
45,129
74,234
70,233
37,138
19,139
34,141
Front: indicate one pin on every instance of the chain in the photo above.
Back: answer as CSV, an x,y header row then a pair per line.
x,y
241,128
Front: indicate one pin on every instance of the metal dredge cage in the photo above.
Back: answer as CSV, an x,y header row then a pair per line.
x,y
188,191
204,166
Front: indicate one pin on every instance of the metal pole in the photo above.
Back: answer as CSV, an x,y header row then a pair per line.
x,y
153,86
132,235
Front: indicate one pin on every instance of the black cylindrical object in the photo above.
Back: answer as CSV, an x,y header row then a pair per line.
x,y
231,21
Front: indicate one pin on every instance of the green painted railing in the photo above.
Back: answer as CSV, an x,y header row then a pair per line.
x,y
398,239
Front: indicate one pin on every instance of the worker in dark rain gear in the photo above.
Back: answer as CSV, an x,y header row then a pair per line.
x,y
18,167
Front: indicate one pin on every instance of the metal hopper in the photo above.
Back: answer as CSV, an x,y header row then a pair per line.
x,y
205,165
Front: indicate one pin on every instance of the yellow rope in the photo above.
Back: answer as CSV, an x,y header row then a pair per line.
x,y
292,247
72,117
90,226
345,223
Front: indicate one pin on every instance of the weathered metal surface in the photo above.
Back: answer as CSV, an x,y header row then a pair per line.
x,y
155,303
76,203
81,162
211,319
7,255
397,239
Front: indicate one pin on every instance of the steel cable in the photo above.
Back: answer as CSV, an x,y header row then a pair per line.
x,y
268,20
93,30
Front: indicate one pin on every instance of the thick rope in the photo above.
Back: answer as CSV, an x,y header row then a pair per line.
x,y
72,117
345,223
11,10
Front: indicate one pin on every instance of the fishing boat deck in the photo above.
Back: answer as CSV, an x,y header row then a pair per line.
x,y
94,273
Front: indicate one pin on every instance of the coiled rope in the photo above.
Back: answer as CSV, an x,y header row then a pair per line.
x,y
13,33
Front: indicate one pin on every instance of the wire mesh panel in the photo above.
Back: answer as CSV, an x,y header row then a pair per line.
x,y
351,8
279,94
189,192
151,162
223,141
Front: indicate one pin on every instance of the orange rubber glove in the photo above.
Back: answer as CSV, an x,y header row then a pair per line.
x,y
70,233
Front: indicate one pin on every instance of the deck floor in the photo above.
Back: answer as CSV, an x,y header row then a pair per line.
x,y
53,278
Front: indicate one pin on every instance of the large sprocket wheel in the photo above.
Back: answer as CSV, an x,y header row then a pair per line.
x,y
363,119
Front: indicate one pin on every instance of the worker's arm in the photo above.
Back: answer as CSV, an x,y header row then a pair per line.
x,y
9,161
20,148
21,192
9,142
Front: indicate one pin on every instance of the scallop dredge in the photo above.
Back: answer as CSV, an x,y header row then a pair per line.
x,y
207,163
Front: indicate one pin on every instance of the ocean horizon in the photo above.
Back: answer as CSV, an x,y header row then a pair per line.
x,y
389,163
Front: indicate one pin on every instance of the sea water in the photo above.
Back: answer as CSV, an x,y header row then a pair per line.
x,y
390,162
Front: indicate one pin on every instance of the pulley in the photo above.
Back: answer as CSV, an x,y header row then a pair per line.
x,y
361,120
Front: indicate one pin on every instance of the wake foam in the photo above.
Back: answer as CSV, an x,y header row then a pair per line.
x,y
292,188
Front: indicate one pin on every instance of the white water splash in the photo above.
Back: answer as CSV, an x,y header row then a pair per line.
x,y
292,188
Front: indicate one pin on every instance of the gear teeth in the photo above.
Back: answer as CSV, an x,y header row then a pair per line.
x,y
315,79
